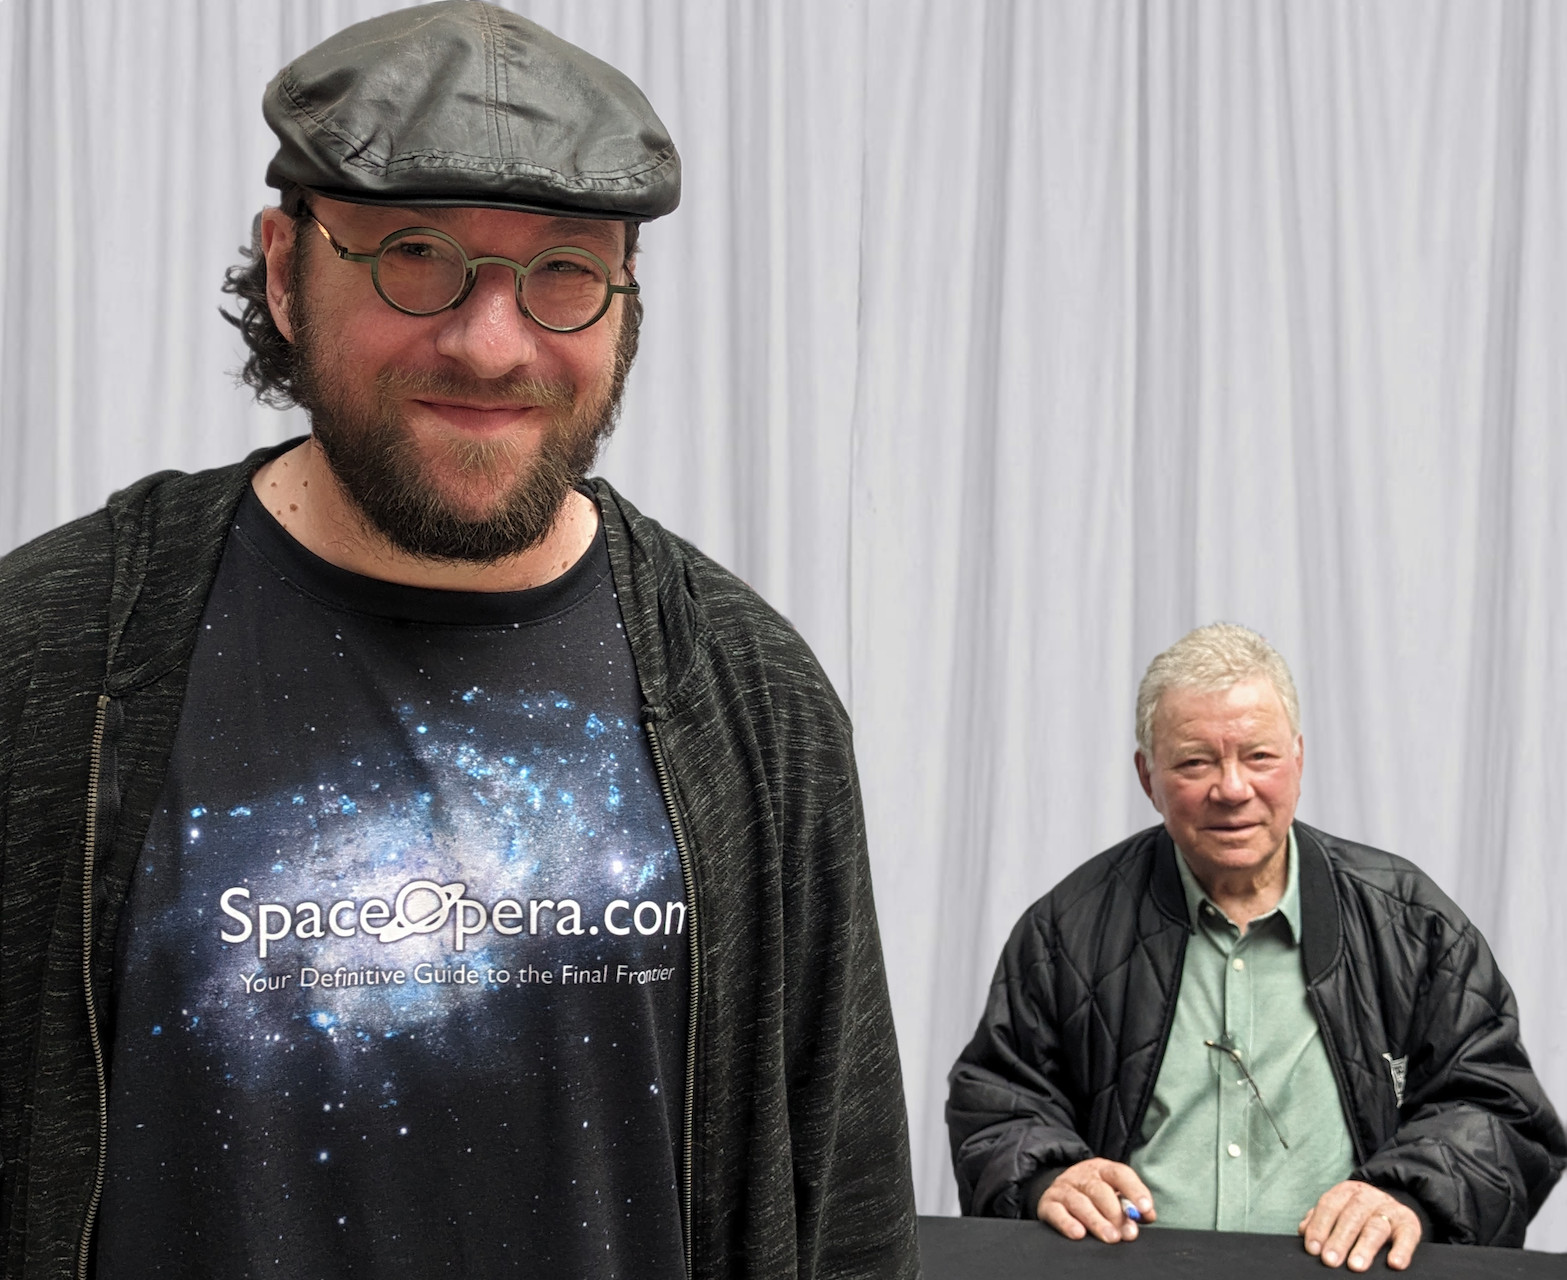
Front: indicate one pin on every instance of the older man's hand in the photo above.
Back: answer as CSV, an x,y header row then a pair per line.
x,y
1087,1197
1354,1220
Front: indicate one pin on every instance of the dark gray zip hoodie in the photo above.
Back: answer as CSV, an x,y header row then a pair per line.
x,y
795,1158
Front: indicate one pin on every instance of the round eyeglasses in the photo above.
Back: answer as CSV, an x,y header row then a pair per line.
x,y
420,271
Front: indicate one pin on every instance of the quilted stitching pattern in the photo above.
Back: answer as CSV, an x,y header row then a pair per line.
x,y
1073,1032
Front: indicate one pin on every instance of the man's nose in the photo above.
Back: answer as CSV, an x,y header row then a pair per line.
x,y
1233,785
489,333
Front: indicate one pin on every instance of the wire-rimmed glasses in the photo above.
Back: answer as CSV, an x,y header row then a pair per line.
x,y
1227,1046
421,271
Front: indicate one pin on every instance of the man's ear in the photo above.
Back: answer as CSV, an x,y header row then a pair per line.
x,y
278,247
1144,776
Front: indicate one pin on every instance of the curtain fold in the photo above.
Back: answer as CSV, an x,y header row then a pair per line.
x,y
997,343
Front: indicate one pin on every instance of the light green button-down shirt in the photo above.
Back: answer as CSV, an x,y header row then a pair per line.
x,y
1209,1155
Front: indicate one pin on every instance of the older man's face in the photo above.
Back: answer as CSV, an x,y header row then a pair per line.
x,y
1225,775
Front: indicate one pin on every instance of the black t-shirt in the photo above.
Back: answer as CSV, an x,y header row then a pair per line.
x,y
403,976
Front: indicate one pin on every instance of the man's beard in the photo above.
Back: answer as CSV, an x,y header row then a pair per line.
x,y
378,464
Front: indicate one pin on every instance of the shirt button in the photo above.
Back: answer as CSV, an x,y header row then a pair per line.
x,y
1238,963
1234,1148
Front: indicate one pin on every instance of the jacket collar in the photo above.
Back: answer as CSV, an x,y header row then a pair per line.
x,y
1165,879
1320,927
169,533
660,615
1321,932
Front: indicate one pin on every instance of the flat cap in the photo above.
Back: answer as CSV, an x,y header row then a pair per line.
x,y
462,103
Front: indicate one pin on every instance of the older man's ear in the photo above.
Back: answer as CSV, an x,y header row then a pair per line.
x,y
1140,762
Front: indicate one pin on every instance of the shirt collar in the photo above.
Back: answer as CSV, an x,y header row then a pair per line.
x,y
1288,906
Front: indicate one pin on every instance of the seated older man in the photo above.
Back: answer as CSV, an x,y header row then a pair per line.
x,y
1235,1022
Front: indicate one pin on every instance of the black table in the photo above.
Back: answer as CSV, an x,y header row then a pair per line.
x,y
1000,1249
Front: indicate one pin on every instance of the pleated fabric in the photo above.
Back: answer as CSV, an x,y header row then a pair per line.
x,y
997,343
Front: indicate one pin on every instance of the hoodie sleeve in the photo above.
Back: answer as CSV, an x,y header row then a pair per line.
x,y
847,1113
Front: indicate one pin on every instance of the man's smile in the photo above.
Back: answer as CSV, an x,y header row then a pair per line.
x,y
478,417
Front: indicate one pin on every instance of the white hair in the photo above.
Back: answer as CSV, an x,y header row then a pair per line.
x,y
1211,659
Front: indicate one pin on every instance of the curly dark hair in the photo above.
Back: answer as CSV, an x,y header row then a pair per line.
x,y
271,369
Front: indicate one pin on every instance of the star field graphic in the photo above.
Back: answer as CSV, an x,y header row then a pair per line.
x,y
402,979
545,824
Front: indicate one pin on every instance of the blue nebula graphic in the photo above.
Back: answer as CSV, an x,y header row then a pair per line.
x,y
333,872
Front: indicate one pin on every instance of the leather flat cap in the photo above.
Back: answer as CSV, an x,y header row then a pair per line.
x,y
462,103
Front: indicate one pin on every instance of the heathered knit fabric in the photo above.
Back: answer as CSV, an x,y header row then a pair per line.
x,y
800,1153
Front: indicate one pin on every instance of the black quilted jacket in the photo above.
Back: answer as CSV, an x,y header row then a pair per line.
x,y
1065,1058
798,1150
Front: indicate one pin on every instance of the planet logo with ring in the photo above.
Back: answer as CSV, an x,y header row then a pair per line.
x,y
403,925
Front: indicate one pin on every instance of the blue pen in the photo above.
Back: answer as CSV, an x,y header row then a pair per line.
x,y
1130,1210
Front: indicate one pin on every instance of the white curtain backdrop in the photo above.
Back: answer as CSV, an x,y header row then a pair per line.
x,y
997,344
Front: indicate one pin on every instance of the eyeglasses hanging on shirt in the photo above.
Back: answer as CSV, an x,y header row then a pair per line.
x,y
1227,1046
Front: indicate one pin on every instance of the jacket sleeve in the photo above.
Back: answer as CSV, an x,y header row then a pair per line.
x,y
1011,1108
1478,1146
854,1186
52,596
18,643
25,577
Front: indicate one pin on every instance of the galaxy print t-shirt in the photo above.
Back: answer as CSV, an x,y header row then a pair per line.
x,y
403,976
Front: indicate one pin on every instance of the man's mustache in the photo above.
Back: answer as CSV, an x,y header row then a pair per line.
x,y
480,393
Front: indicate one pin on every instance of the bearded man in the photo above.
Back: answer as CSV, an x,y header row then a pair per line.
x,y
1233,1021
415,859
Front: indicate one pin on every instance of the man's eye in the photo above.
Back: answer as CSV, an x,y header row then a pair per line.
x,y
567,266
416,251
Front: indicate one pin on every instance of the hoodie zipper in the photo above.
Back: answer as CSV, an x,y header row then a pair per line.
x,y
89,856
683,848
